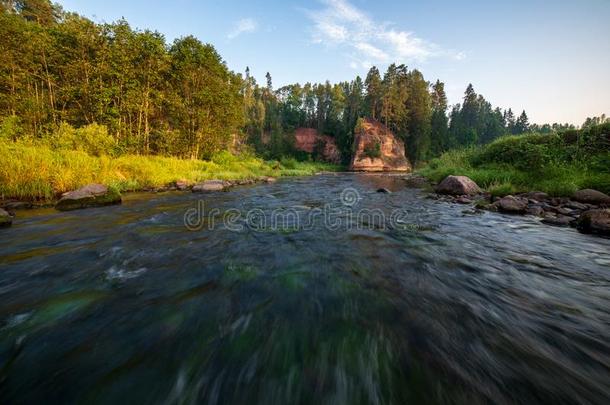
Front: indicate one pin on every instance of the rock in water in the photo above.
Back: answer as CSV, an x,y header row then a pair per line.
x,y
377,149
558,221
384,190
92,195
5,219
594,221
589,196
458,185
513,205
209,185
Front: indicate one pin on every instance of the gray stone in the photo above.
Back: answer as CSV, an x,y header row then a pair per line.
x,y
535,210
576,205
6,219
560,220
458,185
512,205
91,195
594,221
590,196
535,195
209,185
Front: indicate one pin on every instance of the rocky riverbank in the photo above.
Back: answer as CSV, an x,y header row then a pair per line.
x,y
98,195
587,210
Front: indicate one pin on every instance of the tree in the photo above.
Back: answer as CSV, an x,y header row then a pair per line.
x,y
522,124
439,131
205,104
373,93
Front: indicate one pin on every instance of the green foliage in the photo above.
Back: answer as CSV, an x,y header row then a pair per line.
x,y
372,151
10,128
60,69
558,164
41,173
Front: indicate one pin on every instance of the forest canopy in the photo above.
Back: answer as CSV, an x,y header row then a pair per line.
x,y
109,88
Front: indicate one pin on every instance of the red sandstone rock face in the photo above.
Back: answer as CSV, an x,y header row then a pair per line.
x,y
307,139
391,150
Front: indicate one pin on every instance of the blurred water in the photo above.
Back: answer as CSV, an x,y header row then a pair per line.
x,y
124,305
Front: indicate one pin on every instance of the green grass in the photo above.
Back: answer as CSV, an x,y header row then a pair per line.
x,y
39,173
556,164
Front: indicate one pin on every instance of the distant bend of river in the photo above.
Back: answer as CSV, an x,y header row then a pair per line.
x,y
383,298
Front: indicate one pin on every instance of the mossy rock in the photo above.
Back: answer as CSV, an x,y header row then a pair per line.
x,y
92,195
6,219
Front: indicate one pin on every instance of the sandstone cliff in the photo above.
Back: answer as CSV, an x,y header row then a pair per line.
x,y
376,149
310,141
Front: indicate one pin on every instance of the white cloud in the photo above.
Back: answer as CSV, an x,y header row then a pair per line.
x,y
340,23
243,26
372,52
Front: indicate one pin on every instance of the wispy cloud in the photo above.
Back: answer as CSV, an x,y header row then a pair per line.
x,y
245,25
339,23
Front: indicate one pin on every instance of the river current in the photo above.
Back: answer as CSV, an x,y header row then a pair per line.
x,y
355,297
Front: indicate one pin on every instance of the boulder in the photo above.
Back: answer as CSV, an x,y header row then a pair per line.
x,y
16,205
535,210
92,195
458,185
383,190
310,141
589,196
512,205
576,206
560,220
594,221
6,219
463,200
535,195
376,149
209,185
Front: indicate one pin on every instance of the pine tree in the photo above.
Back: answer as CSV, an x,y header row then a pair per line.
x,y
439,131
522,125
373,93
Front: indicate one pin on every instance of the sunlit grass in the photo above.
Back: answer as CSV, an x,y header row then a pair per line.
x,y
39,173
556,177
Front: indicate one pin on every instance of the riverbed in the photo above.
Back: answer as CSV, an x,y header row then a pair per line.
x,y
308,290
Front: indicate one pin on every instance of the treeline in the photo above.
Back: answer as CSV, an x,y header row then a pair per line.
x,y
76,84
150,97
416,110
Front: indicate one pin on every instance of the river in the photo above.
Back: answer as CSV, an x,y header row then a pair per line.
x,y
367,298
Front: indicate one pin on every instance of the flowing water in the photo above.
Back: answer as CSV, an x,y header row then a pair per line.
x,y
124,304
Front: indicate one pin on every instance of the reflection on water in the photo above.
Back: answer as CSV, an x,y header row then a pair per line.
x,y
123,304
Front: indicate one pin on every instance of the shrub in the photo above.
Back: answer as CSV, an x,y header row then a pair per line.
x,y
373,151
10,128
95,140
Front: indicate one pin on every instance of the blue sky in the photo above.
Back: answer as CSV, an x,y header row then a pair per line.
x,y
551,58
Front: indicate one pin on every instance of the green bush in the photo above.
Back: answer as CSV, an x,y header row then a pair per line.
x,y
10,128
92,139
373,151
558,164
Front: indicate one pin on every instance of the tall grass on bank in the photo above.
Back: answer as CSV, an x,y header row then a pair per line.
x,y
558,164
40,173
